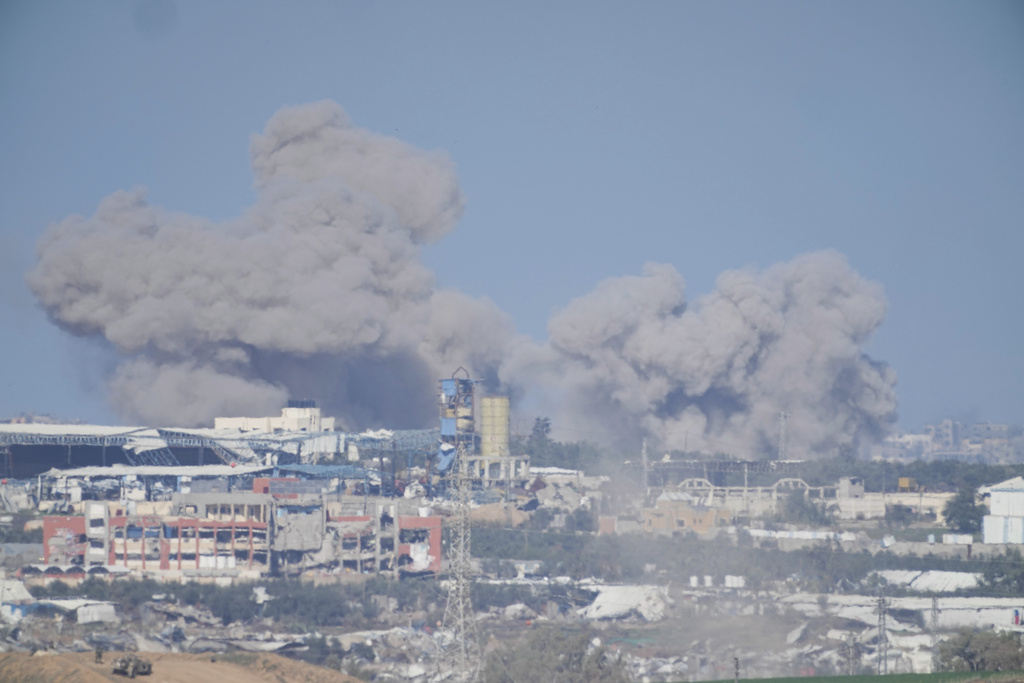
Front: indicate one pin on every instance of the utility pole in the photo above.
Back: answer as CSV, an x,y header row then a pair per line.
x,y
508,494
935,634
643,460
463,653
782,434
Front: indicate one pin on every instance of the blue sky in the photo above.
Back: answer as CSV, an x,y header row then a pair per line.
x,y
590,138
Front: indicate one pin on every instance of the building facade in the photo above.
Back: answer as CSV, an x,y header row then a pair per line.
x,y
245,535
1005,521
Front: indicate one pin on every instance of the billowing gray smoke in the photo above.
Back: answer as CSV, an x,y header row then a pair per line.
x,y
633,358
318,290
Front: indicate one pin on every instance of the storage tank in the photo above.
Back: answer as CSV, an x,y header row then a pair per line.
x,y
494,425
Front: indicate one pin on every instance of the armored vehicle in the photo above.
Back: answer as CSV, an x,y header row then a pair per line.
x,y
132,665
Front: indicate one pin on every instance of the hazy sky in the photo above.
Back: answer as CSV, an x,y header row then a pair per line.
x,y
589,138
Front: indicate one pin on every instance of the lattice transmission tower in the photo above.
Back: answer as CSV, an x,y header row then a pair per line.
x,y
463,655
883,635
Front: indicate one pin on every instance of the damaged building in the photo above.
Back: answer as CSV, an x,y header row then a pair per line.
x,y
489,456
697,504
276,529
181,503
300,435
679,512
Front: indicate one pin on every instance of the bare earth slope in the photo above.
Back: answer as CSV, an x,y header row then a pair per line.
x,y
167,668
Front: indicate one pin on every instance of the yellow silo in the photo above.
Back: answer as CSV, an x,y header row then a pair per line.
x,y
494,425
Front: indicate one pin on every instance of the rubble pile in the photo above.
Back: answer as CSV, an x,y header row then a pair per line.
x,y
612,602
771,632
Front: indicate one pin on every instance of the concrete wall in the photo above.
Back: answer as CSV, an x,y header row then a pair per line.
x,y
63,539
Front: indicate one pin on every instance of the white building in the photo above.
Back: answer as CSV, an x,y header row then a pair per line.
x,y
1005,521
299,416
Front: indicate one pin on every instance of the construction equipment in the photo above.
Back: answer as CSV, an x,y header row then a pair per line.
x,y
131,665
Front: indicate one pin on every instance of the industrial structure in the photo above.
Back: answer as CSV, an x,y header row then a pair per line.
x,y
697,505
488,456
299,436
256,496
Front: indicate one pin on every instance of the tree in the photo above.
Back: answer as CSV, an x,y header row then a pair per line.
x,y
798,509
539,444
15,532
541,428
898,516
1005,575
545,452
982,651
962,512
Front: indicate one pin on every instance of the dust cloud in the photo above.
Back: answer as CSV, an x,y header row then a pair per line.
x,y
318,290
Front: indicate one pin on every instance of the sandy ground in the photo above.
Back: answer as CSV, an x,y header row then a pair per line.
x,y
167,668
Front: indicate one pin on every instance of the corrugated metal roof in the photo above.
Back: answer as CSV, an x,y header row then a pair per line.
x,y
14,591
932,581
1015,484
72,430
114,471
72,604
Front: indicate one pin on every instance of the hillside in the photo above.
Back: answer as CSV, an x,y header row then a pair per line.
x,y
167,668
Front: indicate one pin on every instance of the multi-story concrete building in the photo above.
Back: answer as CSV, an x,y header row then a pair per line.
x,y
245,534
678,513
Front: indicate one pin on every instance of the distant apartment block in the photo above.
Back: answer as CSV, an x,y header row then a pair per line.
x,y
988,442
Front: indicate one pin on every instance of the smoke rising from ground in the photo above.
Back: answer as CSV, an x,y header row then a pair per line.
x,y
634,358
318,290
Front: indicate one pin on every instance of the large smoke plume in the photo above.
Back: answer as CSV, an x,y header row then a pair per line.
x,y
318,290
633,357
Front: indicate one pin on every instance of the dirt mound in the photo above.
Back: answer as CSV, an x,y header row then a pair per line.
x,y
167,668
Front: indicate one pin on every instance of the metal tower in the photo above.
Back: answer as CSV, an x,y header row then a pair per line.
x,y
457,409
883,636
463,655
851,652
782,434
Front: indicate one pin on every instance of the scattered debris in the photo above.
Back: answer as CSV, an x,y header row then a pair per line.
x,y
615,602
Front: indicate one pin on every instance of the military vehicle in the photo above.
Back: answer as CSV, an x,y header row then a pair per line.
x,y
132,665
